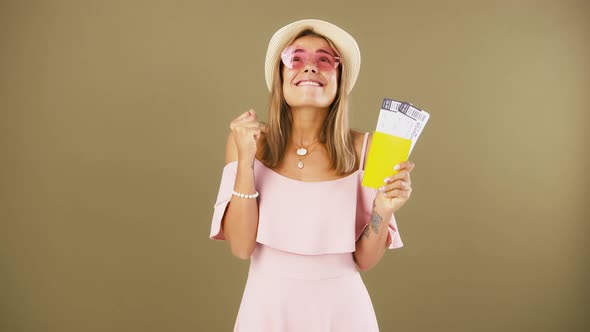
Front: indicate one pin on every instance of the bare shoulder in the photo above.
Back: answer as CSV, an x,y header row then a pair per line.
x,y
358,138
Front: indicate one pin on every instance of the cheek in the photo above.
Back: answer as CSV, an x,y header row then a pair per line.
x,y
333,79
287,77
287,88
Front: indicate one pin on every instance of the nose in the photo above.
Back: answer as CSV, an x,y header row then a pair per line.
x,y
310,65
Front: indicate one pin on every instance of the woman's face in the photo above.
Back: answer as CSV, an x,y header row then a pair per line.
x,y
312,80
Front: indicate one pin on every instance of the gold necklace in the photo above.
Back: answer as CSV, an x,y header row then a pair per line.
x,y
305,154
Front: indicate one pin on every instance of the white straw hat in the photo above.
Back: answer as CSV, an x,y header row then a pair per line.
x,y
344,42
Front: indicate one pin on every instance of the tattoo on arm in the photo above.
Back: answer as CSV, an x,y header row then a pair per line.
x,y
374,223
375,219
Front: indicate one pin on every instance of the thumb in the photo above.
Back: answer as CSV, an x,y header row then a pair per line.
x,y
264,128
253,114
243,116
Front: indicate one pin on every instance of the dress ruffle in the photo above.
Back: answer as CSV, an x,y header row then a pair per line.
x,y
309,218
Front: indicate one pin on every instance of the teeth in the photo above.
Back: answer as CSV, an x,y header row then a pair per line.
x,y
312,83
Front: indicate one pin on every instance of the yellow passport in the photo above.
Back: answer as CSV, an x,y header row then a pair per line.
x,y
385,152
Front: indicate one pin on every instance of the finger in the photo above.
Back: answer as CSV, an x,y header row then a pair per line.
x,y
253,114
264,127
397,193
248,116
244,125
256,134
242,116
235,126
402,175
408,165
399,184
247,132
249,124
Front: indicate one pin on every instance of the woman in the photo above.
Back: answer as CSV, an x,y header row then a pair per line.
x,y
291,198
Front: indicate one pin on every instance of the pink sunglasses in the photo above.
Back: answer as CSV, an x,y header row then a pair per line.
x,y
297,58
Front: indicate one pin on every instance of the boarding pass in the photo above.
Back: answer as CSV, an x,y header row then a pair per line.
x,y
401,119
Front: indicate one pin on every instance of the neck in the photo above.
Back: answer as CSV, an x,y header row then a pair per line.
x,y
307,124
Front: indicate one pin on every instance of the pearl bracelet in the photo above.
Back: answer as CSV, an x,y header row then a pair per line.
x,y
235,193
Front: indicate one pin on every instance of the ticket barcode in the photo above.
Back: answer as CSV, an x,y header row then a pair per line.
x,y
403,107
390,105
401,119
411,111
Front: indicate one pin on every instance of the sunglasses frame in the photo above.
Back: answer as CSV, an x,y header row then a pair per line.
x,y
289,51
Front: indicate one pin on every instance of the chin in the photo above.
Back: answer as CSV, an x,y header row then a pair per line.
x,y
314,105
308,101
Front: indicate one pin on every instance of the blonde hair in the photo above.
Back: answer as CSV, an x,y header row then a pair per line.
x,y
335,132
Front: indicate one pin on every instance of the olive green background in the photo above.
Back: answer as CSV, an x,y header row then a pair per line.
x,y
113,122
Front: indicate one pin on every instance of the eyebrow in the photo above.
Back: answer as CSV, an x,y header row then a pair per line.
x,y
318,51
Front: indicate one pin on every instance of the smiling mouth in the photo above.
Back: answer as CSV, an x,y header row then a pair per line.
x,y
309,83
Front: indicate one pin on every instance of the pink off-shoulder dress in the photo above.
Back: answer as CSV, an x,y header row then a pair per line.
x,y
302,276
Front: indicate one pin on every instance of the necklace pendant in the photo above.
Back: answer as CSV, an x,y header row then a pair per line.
x,y
300,164
301,151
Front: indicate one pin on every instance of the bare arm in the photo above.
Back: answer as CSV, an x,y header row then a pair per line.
x,y
372,244
240,222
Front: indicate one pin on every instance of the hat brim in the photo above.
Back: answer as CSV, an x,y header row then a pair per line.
x,y
344,42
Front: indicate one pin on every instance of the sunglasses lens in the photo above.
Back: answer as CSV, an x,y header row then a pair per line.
x,y
294,59
325,61
297,58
